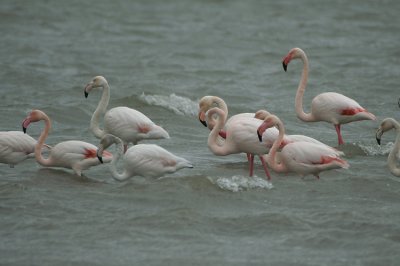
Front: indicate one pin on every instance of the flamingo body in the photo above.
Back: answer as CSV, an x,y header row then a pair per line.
x,y
147,160
131,125
15,147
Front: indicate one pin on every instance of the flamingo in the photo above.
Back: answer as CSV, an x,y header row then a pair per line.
x,y
239,138
147,160
15,147
74,154
386,125
330,107
126,123
300,157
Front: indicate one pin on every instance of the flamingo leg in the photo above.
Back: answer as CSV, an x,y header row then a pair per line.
x,y
125,147
340,139
251,164
264,164
248,157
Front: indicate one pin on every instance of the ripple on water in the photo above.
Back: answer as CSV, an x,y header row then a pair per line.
x,y
239,183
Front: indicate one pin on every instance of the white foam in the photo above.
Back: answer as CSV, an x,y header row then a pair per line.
x,y
178,104
239,183
374,150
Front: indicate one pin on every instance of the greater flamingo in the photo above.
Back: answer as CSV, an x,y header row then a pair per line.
x,y
74,154
239,138
147,160
386,125
330,107
15,147
300,157
126,123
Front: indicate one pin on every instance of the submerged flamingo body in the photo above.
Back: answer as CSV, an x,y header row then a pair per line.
x,y
15,147
73,154
147,160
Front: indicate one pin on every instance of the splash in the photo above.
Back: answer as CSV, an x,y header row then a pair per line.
x,y
374,150
178,104
239,183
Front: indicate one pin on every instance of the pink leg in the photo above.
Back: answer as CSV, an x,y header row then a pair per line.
x,y
265,167
251,162
340,139
248,157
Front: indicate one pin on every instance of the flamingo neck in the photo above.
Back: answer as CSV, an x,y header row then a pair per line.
x,y
218,102
300,92
39,145
392,158
100,110
113,164
275,146
212,138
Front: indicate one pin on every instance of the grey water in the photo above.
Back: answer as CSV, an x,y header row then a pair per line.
x,y
161,57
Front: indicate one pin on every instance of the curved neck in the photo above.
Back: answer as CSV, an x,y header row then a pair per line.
x,y
40,143
212,138
217,102
272,152
113,164
392,158
100,110
300,92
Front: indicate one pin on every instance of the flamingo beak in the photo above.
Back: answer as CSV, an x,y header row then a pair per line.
x,y
88,87
99,154
284,66
378,135
378,140
24,129
25,124
201,119
259,136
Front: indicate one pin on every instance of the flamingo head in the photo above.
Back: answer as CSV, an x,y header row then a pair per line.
x,y
294,53
205,104
34,116
386,125
269,122
261,114
106,141
98,81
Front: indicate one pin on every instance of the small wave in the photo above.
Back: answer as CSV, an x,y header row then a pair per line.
x,y
178,104
239,183
374,150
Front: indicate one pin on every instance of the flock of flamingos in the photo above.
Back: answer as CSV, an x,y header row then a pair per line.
x,y
260,133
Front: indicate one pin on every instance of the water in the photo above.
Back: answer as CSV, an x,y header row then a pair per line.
x,y
161,57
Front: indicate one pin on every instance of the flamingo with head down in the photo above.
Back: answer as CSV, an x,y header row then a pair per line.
x,y
74,154
147,160
300,157
393,159
330,107
130,125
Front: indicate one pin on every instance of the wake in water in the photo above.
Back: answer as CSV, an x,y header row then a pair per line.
x,y
178,104
239,183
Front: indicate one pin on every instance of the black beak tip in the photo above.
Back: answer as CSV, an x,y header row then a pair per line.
x,y
86,94
203,122
259,136
24,130
284,66
100,159
378,140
